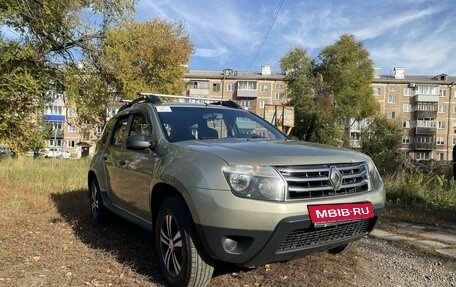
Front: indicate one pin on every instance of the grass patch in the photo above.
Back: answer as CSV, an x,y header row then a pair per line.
x,y
421,197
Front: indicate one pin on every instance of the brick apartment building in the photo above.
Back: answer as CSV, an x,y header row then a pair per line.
x,y
425,106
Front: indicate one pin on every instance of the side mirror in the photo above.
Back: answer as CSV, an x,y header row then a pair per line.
x,y
140,142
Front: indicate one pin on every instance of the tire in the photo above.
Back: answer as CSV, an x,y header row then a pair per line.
x,y
341,249
182,259
97,209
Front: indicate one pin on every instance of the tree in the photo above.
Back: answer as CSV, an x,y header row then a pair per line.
x,y
310,97
44,36
348,72
133,57
381,140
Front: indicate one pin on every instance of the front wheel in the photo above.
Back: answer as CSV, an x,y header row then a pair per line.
x,y
182,259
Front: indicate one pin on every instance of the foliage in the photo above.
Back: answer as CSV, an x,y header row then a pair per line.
x,y
422,189
42,37
148,56
310,98
381,140
347,71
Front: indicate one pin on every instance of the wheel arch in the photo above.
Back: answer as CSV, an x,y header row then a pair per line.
x,y
159,193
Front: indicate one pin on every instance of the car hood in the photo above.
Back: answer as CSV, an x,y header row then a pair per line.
x,y
275,152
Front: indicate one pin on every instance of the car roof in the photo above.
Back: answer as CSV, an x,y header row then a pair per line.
x,y
156,100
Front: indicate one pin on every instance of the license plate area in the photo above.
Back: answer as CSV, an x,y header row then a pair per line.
x,y
330,214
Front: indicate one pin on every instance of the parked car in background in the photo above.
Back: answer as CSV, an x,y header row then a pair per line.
x,y
6,152
215,182
57,152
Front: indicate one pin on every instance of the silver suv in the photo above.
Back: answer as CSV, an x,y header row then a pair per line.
x,y
215,182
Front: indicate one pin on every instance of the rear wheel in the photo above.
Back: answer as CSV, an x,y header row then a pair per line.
x,y
182,259
97,208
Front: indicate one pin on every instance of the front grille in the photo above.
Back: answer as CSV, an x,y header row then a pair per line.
x,y
315,181
311,237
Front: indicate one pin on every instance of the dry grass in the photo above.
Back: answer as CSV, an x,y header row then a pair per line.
x,y
48,239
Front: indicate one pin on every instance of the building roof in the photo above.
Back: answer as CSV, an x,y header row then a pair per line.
x,y
417,79
232,74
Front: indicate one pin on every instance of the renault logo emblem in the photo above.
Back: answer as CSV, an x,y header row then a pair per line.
x,y
335,177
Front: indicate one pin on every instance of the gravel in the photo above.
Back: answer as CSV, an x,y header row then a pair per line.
x,y
387,263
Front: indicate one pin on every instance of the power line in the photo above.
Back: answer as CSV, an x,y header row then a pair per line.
x,y
267,34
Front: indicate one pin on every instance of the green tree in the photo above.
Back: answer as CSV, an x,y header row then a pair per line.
x,y
44,36
347,70
310,97
133,57
381,140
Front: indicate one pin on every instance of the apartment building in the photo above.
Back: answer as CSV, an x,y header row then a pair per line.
x,y
425,108
251,90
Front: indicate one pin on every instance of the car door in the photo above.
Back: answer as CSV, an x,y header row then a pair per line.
x,y
139,167
130,171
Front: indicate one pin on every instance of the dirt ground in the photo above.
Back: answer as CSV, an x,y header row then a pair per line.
x,y
50,240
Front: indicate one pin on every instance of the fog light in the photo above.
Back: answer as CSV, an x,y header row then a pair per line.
x,y
229,244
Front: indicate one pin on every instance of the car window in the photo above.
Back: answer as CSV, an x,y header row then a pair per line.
x,y
120,130
200,123
139,125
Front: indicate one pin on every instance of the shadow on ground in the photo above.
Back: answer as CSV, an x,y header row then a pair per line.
x,y
130,244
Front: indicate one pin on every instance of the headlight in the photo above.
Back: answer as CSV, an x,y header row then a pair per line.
x,y
258,182
376,181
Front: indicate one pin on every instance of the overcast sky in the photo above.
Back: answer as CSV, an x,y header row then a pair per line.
x,y
242,35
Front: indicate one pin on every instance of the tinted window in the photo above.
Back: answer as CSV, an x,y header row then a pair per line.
x,y
187,123
120,130
139,125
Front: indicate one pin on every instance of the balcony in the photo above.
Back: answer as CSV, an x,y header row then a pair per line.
x,y
423,146
198,93
247,93
426,114
425,130
429,98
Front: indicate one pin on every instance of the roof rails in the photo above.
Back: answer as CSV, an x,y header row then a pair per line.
x,y
156,99
212,101
143,98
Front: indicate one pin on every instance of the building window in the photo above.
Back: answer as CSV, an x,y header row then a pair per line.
x,y
391,99
391,115
441,125
72,112
246,103
230,88
440,141
216,87
421,155
264,87
443,93
71,129
279,85
278,96
263,103
427,90
406,124
247,85
408,92
454,141
405,139
377,91
70,144
406,108
392,89
198,85
441,156
442,109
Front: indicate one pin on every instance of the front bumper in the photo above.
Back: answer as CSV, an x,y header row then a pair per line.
x,y
293,237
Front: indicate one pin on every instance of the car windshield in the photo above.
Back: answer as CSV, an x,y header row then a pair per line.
x,y
189,123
